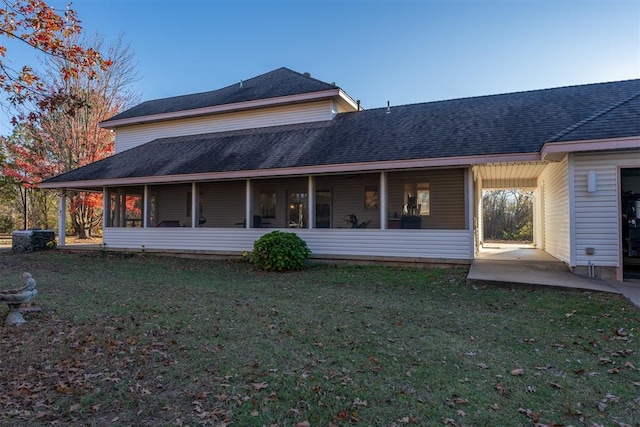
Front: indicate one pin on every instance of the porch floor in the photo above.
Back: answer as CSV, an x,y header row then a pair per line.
x,y
516,264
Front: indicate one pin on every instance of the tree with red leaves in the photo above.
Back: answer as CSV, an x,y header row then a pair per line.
x,y
64,133
48,31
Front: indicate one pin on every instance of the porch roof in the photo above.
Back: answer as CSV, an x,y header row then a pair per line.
x,y
463,131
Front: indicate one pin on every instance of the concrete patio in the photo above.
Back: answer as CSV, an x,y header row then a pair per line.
x,y
513,264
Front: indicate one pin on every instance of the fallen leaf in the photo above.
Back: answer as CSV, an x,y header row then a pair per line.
x,y
556,385
304,424
260,386
461,401
482,366
501,388
517,372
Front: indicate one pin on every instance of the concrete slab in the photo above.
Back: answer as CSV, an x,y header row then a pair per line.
x,y
524,265
552,274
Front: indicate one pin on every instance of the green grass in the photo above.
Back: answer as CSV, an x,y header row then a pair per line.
x,y
145,340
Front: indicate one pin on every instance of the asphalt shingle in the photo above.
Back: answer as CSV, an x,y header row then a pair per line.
x,y
276,83
489,125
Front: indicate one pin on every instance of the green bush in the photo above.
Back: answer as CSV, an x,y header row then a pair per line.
x,y
280,251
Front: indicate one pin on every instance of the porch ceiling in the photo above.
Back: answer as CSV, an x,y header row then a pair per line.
x,y
510,175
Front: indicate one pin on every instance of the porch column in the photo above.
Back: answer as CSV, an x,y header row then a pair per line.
x,y
383,201
194,205
145,207
248,214
106,208
311,203
468,197
62,217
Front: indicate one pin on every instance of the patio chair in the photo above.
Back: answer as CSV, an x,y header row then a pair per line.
x,y
353,220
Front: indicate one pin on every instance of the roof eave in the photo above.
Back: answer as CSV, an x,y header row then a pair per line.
x,y
555,151
307,170
226,108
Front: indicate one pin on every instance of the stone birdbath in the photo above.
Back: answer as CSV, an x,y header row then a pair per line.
x,y
16,297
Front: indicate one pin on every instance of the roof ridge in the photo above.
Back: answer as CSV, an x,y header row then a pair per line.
x,y
591,118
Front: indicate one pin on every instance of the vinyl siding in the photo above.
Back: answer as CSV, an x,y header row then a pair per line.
x,y
374,244
596,216
128,137
555,190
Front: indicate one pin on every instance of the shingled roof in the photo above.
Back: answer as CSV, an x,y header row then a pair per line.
x,y
512,123
274,84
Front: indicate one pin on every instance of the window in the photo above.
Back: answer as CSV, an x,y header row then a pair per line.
x,y
297,210
371,197
268,204
423,198
416,199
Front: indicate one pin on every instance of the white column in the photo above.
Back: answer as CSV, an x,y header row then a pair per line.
x,y
62,218
106,208
145,207
383,202
249,204
120,203
311,203
468,196
194,205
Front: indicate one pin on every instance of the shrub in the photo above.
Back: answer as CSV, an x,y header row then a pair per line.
x,y
280,251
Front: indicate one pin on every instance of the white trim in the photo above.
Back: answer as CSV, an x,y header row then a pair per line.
x,y
550,150
62,218
383,200
469,195
248,210
311,202
194,204
145,207
308,170
226,108
572,206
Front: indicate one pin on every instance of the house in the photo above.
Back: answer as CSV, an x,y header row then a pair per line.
x,y
212,172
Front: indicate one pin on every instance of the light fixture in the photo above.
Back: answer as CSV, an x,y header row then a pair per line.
x,y
591,182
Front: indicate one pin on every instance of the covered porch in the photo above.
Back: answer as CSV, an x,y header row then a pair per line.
x,y
417,215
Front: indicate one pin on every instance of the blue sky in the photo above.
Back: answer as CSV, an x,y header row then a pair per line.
x,y
401,51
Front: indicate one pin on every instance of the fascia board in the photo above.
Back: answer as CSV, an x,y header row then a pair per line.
x,y
553,150
225,108
308,170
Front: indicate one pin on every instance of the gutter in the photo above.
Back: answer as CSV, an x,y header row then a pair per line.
x,y
226,108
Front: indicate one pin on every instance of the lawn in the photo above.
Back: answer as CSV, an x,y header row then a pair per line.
x,y
148,340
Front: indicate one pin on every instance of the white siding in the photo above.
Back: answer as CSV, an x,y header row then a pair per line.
x,y
555,193
388,244
596,214
131,136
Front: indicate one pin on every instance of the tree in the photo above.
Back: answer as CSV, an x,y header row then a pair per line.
x,y
507,215
62,131
35,24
